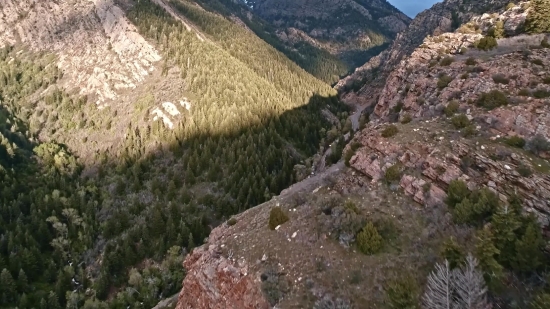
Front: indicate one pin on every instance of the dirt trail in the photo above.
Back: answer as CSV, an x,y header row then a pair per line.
x,y
315,181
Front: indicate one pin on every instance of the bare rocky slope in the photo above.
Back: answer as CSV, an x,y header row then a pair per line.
x,y
437,93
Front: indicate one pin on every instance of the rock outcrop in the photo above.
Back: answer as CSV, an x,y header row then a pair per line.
x,y
120,58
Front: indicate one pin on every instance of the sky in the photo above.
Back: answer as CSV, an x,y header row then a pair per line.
x,y
412,7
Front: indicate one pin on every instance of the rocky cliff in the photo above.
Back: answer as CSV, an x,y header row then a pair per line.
x,y
344,28
442,110
95,44
364,85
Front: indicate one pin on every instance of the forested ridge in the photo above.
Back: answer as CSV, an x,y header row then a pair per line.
x,y
115,236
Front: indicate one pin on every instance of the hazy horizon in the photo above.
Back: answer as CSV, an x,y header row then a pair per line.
x,y
412,7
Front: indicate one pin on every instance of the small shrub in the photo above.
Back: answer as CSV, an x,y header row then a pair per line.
x,y
390,131
368,240
457,191
510,6
497,31
478,69
397,108
464,76
231,221
537,61
471,61
403,293
460,121
451,108
515,141
492,99
469,131
546,80
447,61
406,118
393,173
463,50
541,94
486,43
433,63
420,101
538,144
524,92
524,170
501,79
444,81
277,217
544,43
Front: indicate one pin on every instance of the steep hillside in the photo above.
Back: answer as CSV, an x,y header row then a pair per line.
x,y
364,85
451,175
351,30
145,124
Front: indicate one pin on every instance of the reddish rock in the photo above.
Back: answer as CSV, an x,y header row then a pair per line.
x,y
213,282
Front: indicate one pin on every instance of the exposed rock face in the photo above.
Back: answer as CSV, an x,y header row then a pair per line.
x,y
119,59
367,81
431,163
214,282
341,27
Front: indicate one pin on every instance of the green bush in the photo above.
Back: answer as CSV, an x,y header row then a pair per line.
x,y
471,61
501,79
538,19
486,43
541,94
232,221
524,170
538,144
451,108
390,131
447,61
403,293
544,43
464,76
406,119
497,31
515,141
537,61
492,99
368,240
546,80
444,81
469,131
277,217
510,6
460,121
477,208
452,252
393,173
457,191
524,92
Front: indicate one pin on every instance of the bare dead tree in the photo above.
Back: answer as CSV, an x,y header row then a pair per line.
x,y
439,291
462,288
470,286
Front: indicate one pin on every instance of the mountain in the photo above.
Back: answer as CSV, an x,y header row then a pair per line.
x,y
129,130
449,172
351,30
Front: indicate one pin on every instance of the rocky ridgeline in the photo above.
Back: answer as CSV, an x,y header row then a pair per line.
x,y
364,85
96,46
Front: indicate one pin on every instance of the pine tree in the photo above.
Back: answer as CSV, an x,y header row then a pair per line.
x,y
538,20
22,282
452,252
8,288
542,301
190,243
487,254
528,255
24,302
505,225
53,302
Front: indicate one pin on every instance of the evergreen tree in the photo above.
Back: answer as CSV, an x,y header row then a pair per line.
x,y
505,225
541,301
190,243
53,301
452,252
8,288
528,255
24,302
538,20
487,254
22,282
